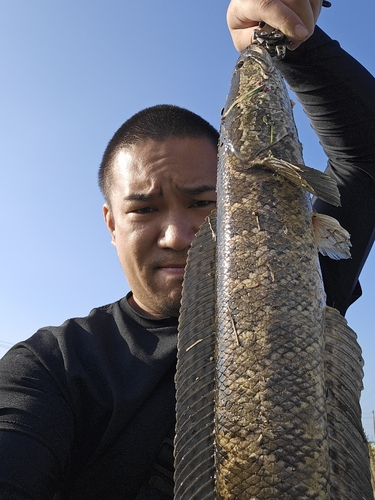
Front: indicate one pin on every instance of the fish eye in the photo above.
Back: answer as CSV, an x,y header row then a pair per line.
x,y
240,64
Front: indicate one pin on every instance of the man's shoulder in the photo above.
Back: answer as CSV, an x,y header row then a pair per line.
x,y
104,333
109,320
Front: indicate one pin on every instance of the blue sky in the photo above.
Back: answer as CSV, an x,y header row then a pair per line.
x,y
71,73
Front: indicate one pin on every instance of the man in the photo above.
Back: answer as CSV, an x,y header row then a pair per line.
x,y
87,408
158,176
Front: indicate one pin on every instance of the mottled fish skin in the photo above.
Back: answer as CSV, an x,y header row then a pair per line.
x,y
270,397
268,379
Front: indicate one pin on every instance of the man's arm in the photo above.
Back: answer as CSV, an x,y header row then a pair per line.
x,y
337,93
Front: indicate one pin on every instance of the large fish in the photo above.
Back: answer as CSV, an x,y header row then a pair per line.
x,y
258,416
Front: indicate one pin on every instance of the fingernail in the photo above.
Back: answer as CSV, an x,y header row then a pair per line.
x,y
301,32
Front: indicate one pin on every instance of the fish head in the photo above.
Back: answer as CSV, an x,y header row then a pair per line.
x,y
258,110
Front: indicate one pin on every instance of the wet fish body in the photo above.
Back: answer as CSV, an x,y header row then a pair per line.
x,y
257,336
270,399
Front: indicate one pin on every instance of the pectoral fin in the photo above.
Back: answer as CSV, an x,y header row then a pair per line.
x,y
316,182
331,238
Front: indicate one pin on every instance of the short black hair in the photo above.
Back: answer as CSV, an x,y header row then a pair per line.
x,y
158,123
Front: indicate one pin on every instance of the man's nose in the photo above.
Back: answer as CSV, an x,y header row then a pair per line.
x,y
178,232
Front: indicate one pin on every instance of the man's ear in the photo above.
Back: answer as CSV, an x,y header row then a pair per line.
x,y
110,222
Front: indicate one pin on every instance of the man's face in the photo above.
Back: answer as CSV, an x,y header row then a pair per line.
x,y
161,194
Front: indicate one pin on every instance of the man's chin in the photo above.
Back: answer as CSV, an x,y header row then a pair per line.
x,y
170,303
165,308
171,308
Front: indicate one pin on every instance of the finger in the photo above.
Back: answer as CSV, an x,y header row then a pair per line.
x,y
307,10
295,18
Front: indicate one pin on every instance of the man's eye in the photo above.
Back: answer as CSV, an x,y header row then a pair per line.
x,y
144,210
204,203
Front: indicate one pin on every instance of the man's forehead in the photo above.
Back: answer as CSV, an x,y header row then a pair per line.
x,y
125,158
171,144
178,156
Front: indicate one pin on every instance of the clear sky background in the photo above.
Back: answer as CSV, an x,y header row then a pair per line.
x,y
71,72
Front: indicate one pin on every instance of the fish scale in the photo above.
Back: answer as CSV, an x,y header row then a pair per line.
x,y
269,355
270,400
259,413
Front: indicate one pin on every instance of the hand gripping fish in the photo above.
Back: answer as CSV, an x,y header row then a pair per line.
x,y
256,390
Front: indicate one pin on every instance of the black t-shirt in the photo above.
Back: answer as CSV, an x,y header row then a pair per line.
x,y
87,405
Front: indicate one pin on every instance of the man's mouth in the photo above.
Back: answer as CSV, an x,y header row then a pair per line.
x,y
173,269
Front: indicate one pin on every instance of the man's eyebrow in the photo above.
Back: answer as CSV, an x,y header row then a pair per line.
x,y
192,191
197,189
138,197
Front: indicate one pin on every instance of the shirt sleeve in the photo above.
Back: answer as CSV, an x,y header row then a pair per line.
x,y
337,94
35,428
